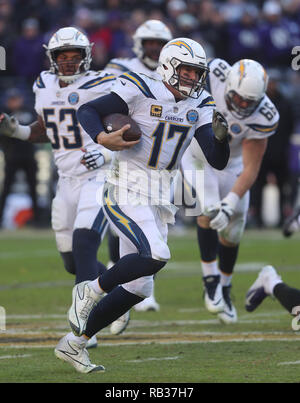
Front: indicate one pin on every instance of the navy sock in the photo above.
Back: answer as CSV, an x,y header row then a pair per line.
x,y
288,297
69,263
113,247
208,243
128,268
85,247
110,308
227,258
101,268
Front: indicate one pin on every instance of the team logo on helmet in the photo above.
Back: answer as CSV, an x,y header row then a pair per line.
x,y
192,116
73,98
241,71
181,44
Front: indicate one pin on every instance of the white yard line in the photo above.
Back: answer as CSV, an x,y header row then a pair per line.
x,y
154,359
38,316
21,254
289,363
145,323
135,342
241,267
64,316
7,357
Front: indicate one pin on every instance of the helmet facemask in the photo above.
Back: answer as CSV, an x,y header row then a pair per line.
x,y
240,107
187,87
83,65
246,84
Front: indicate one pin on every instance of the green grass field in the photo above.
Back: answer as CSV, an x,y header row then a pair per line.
x,y
182,343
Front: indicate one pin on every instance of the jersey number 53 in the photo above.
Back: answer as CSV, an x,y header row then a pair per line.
x,y
54,123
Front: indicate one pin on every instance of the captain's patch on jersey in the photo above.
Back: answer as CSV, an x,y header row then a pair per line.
x,y
192,116
156,110
73,98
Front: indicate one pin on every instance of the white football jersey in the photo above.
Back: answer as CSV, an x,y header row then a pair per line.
x,y
261,123
57,107
167,128
121,65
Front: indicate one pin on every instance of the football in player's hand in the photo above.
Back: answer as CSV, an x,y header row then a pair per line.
x,y
116,121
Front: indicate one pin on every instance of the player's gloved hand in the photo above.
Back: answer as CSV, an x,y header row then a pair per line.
x,y
219,126
226,209
92,159
8,125
211,211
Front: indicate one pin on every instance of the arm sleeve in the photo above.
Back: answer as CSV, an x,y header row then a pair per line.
x,y
90,114
216,152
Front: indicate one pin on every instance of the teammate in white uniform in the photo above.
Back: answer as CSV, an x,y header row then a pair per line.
x,y
170,112
77,215
239,93
148,40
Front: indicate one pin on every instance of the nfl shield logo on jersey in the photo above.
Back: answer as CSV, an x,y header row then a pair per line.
x,y
73,98
192,116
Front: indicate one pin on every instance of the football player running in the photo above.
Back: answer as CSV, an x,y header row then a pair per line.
x,y
77,215
171,112
239,93
148,40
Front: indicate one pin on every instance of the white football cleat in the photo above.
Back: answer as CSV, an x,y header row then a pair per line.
x,y
92,342
119,325
75,354
262,287
229,314
84,299
148,304
213,296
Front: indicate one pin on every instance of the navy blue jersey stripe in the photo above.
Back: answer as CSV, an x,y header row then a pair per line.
x,y
115,65
97,81
39,82
208,101
126,225
263,128
100,223
139,82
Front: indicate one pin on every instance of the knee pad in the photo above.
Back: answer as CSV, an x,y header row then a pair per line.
x,y
160,250
142,287
69,262
59,219
64,241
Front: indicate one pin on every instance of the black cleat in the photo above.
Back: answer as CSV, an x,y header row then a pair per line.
x,y
291,224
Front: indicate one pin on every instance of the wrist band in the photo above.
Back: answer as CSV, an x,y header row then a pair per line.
x,y
107,154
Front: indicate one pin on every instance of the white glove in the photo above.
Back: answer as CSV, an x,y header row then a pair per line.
x,y
93,159
226,209
8,126
219,126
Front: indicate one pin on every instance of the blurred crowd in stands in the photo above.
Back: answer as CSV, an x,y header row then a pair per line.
x,y
262,30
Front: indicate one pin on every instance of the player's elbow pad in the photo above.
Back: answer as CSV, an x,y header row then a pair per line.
x,y
222,155
216,153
